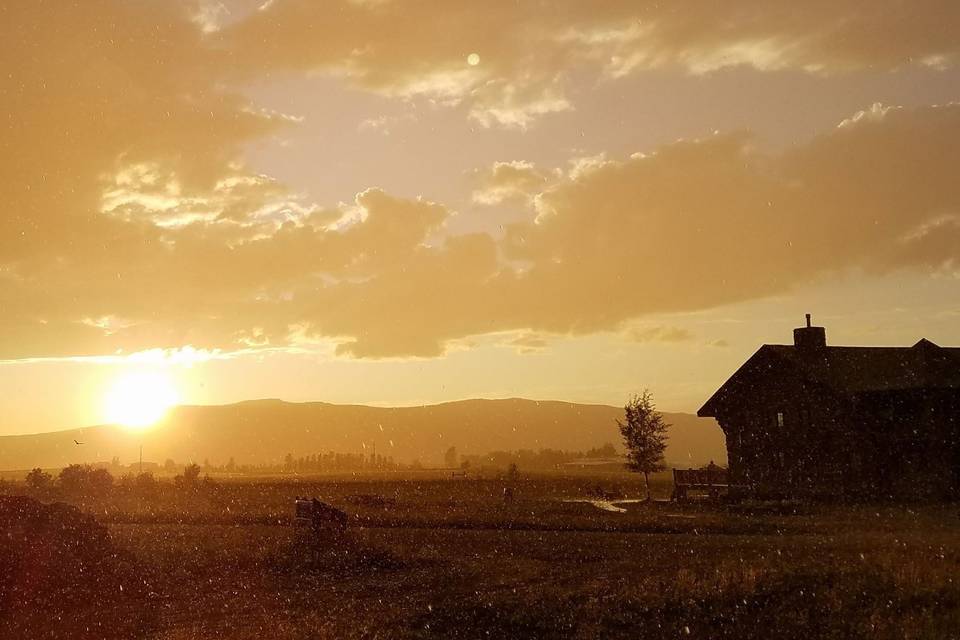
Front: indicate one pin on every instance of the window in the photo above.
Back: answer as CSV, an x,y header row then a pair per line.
x,y
779,418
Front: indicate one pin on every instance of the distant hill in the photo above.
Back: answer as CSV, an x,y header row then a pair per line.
x,y
262,431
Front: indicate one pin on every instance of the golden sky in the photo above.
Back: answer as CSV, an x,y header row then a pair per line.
x,y
398,202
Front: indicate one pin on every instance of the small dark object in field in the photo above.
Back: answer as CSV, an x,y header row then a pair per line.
x,y
320,515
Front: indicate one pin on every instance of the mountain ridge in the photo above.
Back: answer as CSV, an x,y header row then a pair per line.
x,y
264,430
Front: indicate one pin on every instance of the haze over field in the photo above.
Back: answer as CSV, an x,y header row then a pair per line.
x,y
264,431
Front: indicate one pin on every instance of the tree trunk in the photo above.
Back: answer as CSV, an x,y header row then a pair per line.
x,y
646,484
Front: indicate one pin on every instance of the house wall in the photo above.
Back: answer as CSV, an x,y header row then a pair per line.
x,y
788,436
915,438
902,444
770,420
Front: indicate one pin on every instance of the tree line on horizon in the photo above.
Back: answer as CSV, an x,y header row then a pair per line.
x,y
92,480
545,459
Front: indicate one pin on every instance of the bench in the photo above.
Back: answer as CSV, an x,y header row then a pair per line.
x,y
712,479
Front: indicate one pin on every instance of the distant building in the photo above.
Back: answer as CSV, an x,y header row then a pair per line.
x,y
811,419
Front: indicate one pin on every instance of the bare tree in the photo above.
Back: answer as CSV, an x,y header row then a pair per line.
x,y
645,436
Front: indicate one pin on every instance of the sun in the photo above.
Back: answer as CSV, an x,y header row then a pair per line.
x,y
140,399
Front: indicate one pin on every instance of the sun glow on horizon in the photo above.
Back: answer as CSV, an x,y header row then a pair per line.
x,y
140,399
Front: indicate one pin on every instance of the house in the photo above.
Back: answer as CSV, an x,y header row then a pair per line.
x,y
817,420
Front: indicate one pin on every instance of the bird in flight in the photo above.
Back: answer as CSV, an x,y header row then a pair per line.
x,y
75,442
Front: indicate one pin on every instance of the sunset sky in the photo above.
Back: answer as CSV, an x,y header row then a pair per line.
x,y
401,202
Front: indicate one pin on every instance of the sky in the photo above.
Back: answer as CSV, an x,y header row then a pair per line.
x,y
403,202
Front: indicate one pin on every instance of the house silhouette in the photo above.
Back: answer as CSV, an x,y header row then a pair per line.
x,y
815,420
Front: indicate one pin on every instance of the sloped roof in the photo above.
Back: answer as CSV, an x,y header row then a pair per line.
x,y
853,370
860,369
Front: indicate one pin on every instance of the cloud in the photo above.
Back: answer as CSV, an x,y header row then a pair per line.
x,y
130,221
121,124
530,343
505,104
385,125
694,225
516,181
528,51
658,334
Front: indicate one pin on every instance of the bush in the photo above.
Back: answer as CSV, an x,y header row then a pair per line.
x,y
191,473
38,479
85,479
190,478
146,483
143,485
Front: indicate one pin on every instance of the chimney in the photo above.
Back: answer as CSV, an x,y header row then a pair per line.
x,y
809,339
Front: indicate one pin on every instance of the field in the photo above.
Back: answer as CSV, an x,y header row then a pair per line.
x,y
430,557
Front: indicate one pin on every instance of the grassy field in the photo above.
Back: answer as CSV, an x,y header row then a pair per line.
x,y
451,559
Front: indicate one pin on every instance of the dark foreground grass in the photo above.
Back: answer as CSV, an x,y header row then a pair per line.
x,y
459,566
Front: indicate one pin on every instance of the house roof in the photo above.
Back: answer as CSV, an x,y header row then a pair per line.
x,y
855,370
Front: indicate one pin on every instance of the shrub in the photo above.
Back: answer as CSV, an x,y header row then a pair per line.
x,y
190,479
38,479
84,478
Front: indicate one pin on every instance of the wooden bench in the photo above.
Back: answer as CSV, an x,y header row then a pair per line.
x,y
712,479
